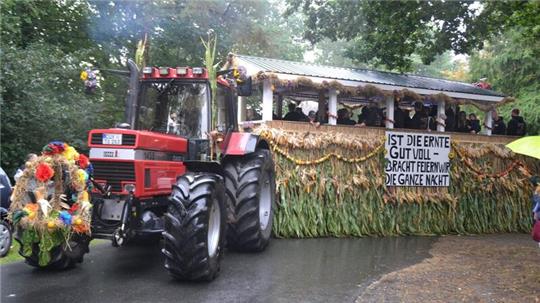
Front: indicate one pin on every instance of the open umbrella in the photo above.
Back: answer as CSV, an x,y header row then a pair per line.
x,y
529,146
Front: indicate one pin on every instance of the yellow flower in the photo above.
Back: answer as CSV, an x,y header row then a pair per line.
x,y
82,176
51,224
83,196
77,221
31,215
70,153
84,75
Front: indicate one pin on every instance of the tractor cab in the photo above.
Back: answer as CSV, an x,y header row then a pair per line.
x,y
177,101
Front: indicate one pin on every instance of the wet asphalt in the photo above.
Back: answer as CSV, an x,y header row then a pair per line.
x,y
310,270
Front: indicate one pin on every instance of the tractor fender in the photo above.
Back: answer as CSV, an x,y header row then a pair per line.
x,y
204,166
239,144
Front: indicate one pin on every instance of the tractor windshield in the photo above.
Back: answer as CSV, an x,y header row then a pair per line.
x,y
174,107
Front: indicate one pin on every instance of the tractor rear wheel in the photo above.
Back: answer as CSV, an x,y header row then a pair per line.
x,y
194,227
250,182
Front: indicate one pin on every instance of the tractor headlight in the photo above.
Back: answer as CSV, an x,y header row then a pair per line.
x,y
181,71
147,70
197,70
164,71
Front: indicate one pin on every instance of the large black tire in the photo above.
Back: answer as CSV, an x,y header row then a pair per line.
x,y
63,256
250,182
196,213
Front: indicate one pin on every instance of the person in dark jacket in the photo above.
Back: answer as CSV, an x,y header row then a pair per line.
x,y
344,117
516,125
291,115
461,125
473,124
420,118
498,128
295,114
363,115
371,116
450,120
399,116
432,117
301,116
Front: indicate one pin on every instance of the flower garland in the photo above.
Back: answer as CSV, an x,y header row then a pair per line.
x,y
51,202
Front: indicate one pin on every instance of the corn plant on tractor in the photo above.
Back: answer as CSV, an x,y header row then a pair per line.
x,y
167,172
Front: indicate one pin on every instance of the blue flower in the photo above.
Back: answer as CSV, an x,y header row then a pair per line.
x,y
65,217
90,169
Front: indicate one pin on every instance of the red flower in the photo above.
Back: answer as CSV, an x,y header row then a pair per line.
x,y
83,161
44,172
73,208
55,147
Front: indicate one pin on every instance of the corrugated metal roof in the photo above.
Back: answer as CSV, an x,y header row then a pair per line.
x,y
363,75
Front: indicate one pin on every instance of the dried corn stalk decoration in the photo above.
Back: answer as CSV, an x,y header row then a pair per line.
x,y
333,184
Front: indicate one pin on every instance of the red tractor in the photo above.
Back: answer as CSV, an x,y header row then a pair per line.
x,y
167,173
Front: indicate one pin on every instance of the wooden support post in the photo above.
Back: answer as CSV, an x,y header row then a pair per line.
x,y
440,114
268,100
390,112
241,110
332,106
280,107
488,121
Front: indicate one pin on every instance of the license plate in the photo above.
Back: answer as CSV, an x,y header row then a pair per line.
x,y
112,139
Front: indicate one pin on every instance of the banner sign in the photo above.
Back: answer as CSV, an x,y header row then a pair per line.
x,y
416,159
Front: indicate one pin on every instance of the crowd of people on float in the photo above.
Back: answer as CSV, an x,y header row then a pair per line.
x,y
422,117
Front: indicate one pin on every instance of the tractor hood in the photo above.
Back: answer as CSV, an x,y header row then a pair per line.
x,y
135,139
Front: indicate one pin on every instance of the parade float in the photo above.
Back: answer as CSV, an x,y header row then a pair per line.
x,y
186,163
336,180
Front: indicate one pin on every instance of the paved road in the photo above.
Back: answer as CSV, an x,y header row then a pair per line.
x,y
315,270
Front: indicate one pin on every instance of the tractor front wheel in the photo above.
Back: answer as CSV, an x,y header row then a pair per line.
x,y
194,227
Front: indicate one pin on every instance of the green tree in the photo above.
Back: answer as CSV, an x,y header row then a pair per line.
x,y
388,33
510,62
44,42
42,98
175,27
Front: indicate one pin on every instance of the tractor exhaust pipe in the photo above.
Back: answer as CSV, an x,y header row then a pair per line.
x,y
133,94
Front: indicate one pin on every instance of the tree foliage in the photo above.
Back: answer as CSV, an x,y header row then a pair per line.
x,y
510,62
45,44
388,33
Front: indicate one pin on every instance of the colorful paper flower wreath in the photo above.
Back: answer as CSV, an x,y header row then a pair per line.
x,y
51,200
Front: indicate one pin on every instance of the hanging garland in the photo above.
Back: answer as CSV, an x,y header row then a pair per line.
x,y
50,202
325,157
468,162
370,91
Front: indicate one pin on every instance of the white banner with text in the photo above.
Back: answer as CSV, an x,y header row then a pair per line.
x,y
416,159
